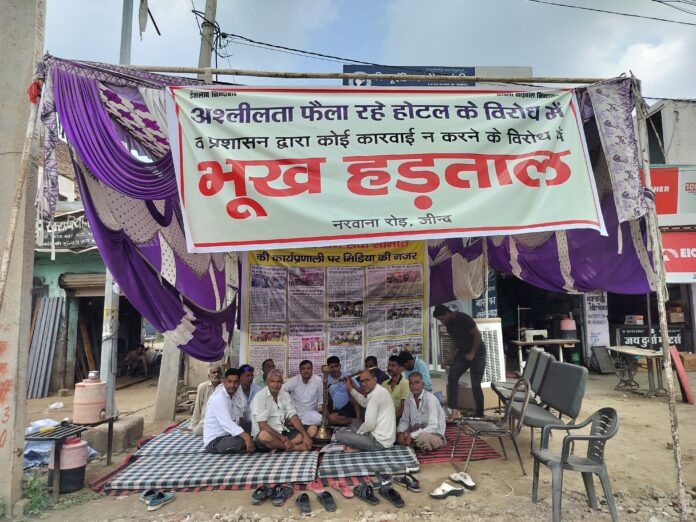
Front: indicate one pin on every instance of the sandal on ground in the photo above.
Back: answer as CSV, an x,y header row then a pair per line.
x,y
366,493
148,495
317,486
260,494
342,487
445,490
464,479
392,496
303,504
407,481
326,499
281,493
159,499
383,478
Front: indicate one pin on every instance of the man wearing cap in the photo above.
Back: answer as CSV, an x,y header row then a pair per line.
x,y
203,393
307,393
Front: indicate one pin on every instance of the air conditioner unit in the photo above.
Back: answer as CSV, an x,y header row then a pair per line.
x,y
492,336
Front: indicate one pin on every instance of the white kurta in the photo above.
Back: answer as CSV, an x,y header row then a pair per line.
x,y
307,398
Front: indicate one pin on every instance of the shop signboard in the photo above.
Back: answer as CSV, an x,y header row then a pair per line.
x,y
675,194
69,231
679,251
596,319
269,168
427,70
478,306
629,335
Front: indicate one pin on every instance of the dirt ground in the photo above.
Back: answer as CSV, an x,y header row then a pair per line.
x,y
640,462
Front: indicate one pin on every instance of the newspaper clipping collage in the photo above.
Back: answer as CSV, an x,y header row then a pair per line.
x,y
355,301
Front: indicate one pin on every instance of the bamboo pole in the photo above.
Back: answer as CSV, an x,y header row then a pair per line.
x,y
363,76
25,167
655,238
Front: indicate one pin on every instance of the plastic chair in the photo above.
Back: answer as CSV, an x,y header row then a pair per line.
x,y
507,426
605,424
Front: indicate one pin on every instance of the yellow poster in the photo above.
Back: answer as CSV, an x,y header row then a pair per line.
x,y
348,301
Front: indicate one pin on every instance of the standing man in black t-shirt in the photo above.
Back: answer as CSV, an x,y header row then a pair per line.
x,y
470,354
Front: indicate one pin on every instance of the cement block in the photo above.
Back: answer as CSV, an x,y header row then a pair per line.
x,y
19,508
127,431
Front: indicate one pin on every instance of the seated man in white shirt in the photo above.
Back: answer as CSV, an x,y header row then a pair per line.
x,y
203,393
379,429
221,430
271,411
307,393
423,421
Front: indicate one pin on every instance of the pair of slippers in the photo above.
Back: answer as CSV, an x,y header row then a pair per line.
x,y
278,494
446,490
156,499
323,497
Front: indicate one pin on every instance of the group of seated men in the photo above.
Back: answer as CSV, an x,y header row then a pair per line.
x,y
235,413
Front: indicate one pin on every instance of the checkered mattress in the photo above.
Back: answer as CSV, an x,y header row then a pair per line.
x,y
174,442
195,470
396,459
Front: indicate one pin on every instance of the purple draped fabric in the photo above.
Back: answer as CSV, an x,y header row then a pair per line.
x,y
158,301
91,131
595,261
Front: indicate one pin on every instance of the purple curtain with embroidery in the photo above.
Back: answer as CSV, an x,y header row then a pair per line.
x,y
90,130
198,332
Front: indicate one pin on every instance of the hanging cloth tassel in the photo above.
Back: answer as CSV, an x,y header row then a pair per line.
x,y
34,91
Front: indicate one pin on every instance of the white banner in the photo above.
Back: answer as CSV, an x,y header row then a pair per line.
x,y
262,168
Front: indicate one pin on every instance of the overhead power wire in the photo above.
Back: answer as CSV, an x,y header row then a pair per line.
x,y
612,12
670,3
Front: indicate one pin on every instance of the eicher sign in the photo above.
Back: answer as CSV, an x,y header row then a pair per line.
x,y
266,168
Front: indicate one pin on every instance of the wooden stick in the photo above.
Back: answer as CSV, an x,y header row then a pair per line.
x,y
87,345
25,166
363,76
655,240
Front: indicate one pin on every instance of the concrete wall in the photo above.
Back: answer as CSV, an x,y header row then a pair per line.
x,y
678,131
50,271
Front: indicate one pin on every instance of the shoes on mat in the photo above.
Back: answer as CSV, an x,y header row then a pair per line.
x,y
464,479
445,490
366,493
392,496
303,504
260,494
326,499
159,499
407,481
281,493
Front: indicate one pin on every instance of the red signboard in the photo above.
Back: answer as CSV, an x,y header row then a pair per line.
x,y
675,194
679,251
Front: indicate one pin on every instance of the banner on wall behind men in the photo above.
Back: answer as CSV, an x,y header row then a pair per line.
x,y
289,167
351,302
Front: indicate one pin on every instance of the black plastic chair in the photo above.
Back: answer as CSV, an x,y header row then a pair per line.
x,y
605,424
507,426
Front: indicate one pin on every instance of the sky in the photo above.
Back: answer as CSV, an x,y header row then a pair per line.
x,y
554,41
